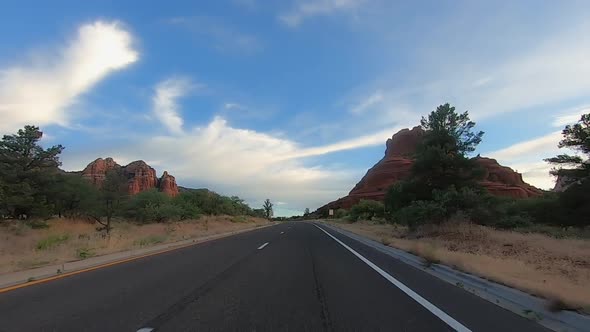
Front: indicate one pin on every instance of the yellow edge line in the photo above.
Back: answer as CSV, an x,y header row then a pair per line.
x,y
67,274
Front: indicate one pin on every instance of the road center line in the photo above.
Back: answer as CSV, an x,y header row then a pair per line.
x,y
415,296
282,232
262,246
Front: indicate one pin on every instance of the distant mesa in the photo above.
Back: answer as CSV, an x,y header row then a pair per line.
x,y
397,163
139,174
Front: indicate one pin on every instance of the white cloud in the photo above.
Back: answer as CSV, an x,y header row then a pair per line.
x,y
570,118
165,104
370,101
543,145
378,138
41,91
308,8
233,106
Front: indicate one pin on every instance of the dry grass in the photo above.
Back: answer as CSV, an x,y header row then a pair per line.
x,y
66,240
556,269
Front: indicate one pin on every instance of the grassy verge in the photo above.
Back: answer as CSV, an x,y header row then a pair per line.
x,y
24,247
557,269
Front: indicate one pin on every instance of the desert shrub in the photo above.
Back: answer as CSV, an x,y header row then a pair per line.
x,y
513,221
152,206
366,210
84,253
341,213
420,213
37,224
52,241
150,240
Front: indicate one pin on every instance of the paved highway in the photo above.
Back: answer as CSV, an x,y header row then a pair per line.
x,y
289,277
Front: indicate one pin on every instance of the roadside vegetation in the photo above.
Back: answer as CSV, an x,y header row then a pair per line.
x,y
48,215
539,244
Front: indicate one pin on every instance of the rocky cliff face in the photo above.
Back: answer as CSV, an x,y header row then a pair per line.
x,y
96,171
168,184
140,175
397,163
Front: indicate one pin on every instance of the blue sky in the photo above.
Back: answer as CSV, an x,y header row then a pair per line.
x,y
291,100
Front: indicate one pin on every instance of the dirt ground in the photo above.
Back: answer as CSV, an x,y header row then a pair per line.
x,y
556,269
22,247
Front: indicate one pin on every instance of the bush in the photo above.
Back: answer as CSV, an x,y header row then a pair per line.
x,y
514,221
152,206
84,253
420,213
341,213
366,210
150,240
52,241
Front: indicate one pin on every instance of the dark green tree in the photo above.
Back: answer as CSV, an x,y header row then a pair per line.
x,y
441,159
267,206
26,172
110,200
577,138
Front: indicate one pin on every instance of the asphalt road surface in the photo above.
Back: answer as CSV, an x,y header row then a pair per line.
x,y
289,277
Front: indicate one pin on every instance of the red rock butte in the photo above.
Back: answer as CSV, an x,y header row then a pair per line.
x,y
140,176
397,163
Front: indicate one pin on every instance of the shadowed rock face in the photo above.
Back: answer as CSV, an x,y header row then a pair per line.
x,y
141,176
397,164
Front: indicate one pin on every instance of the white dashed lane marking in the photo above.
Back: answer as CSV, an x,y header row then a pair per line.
x,y
262,246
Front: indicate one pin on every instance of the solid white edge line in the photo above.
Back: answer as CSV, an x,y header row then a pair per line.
x,y
262,246
145,329
415,296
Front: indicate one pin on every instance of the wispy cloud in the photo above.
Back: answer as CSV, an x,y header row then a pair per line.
x,y
365,104
305,9
40,92
233,106
165,105
216,32
570,117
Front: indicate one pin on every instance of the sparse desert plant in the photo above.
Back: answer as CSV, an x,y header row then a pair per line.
x,y
52,241
84,253
150,240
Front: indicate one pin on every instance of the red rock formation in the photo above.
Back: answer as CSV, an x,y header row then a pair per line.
x,y
397,163
96,171
168,185
140,175
503,181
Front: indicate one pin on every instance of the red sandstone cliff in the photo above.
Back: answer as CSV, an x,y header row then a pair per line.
x,y
141,176
96,171
168,184
397,163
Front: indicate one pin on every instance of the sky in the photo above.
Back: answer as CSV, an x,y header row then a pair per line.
x,y
289,100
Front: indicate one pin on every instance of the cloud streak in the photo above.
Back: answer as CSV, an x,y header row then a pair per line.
x,y
309,8
165,105
41,92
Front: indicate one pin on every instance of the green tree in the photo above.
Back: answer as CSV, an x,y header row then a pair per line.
x,y
577,138
306,213
267,206
450,130
109,200
441,159
26,171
